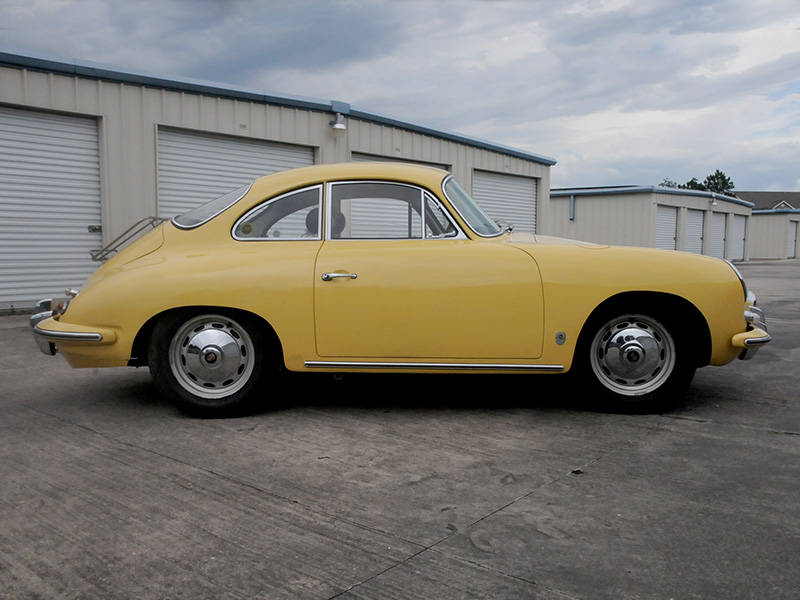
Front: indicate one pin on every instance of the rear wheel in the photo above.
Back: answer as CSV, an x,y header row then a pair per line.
x,y
208,364
637,361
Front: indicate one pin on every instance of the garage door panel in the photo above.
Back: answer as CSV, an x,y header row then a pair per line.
x,y
49,196
718,224
508,198
739,234
695,221
666,227
194,168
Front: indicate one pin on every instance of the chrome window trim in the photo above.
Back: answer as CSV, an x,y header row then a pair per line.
x,y
460,235
262,205
317,364
174,221
500,231
424,193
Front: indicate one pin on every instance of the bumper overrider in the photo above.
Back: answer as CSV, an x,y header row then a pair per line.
x,y
48,331
756,335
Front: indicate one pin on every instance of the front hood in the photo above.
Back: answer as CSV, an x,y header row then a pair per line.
x,y
550,240
522,239
611,257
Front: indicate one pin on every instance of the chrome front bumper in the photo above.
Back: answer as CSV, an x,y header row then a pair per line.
x,y
756,322
43,311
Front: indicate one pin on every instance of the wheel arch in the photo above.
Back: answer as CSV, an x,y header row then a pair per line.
x,y
671,308
139,350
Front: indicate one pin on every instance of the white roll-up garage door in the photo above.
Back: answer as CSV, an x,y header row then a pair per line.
x,y
49,204
695,219
194,168
791,245
718,221
739,233
509,199
666,227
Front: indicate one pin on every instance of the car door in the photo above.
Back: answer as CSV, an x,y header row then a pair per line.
x,y
395,279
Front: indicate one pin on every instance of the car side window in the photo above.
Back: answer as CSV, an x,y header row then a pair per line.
x,y
292,216
380,210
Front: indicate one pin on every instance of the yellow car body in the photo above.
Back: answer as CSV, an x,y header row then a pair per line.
x,y
451,300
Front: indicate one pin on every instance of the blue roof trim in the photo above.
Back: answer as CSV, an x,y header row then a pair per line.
x,y
777,211
91,70
640,189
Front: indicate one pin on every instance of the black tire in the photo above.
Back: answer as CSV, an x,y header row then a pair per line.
x,y
635,362
209,364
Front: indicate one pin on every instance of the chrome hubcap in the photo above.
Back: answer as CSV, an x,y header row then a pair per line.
x,y
212,356
633,355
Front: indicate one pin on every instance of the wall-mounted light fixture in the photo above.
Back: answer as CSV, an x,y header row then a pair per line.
x,y
338,125
713,201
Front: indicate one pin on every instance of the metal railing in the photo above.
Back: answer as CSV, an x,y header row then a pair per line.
x,y
126,237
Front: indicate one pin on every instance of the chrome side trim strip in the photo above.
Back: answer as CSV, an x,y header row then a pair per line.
x,y
68,335
315,364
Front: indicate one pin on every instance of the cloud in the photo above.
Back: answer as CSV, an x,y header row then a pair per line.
x,y
619,91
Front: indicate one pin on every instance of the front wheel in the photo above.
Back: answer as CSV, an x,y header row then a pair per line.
x,y
207,364
637,362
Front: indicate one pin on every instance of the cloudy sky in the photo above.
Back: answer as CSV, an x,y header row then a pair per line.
x,y
617,91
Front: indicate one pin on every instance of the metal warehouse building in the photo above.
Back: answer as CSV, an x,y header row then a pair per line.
x,y
86,151
658,217
776,219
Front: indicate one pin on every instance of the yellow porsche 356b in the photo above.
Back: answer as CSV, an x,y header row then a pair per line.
x,y
389,267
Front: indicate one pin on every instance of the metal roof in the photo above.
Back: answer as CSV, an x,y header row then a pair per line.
x,y
772,200
92,70
642,189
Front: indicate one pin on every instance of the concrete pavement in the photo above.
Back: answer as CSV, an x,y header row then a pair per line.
x,y
403,487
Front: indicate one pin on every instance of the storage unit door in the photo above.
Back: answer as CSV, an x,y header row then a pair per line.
x,y
49,204
695,220
666,227
194,168
718,235
739,233
509,199
791,246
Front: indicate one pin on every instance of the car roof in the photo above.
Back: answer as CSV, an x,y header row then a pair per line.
x,y
406,172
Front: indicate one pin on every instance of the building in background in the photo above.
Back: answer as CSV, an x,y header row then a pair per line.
x,y
86,151
776,216
657,217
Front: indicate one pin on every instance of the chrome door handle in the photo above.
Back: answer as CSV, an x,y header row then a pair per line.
x,y
331,276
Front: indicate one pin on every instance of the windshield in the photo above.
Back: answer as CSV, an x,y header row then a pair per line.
x,y
206,212
473,214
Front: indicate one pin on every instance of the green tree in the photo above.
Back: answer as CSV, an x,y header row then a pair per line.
x,y
720,183
717,182
693,184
